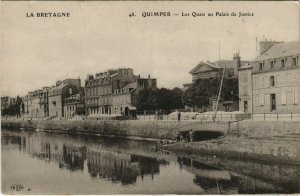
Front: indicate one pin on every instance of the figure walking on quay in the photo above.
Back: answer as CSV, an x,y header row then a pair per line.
x,y
178,115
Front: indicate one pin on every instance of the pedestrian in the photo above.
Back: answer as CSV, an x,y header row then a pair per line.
x,y
191,134
178,115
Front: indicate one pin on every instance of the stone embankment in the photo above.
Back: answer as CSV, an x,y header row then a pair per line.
x,y
277,141
257,140
285,150
158,129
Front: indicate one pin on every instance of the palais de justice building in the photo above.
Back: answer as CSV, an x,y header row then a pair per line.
x,y
271,82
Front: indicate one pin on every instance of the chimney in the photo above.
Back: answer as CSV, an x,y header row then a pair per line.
x,y
149,76
237,59
139,76
265,45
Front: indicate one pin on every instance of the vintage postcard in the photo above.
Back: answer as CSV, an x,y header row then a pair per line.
x,y
145,97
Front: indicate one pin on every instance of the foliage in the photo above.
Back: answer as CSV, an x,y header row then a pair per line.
x,y
203,90
14,109
165,99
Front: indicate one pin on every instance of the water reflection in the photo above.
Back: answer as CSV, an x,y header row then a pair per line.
x,y
106,158
127,162
233,177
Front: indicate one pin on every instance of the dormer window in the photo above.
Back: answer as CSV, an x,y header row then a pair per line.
x,y
294,61
272,64
272,81
282,63
261,66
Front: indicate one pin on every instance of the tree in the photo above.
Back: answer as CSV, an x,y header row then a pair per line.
x,y
165,99
147,99
13,109
203,90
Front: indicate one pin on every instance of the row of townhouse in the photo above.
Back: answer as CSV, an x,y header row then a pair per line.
x,y
271,82
111,92
114,91
50,101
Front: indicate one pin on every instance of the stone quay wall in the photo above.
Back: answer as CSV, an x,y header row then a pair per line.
x,y
258,140
249,128
135,128
286,150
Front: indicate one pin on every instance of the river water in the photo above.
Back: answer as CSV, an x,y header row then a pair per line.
x,y
50,163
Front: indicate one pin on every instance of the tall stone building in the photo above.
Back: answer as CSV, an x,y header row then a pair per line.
x,y
26,101
74,105
245,88
35,104
99,89
124,99
59,93
274,85
36,110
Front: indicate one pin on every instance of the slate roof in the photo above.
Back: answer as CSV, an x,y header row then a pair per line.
x,y
60,86
280,50
217,65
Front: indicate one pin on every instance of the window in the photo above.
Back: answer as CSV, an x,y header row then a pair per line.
x,y
265,81
261,82
295,98
282,63
272,102
272,81
272,64
283,98
283,80
260,66
289,79
294,61
262,100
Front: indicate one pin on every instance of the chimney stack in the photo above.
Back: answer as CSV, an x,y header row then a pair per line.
x,y
265,45
237,59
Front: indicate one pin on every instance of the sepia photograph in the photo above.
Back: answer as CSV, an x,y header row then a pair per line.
x,y
150,97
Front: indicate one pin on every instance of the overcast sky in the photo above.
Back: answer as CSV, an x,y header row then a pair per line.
x,y
100,35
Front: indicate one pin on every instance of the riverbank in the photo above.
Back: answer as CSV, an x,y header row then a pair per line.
x,y
264,149
157,129
258,140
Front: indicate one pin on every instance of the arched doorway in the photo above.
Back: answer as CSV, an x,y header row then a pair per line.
x,y
126,111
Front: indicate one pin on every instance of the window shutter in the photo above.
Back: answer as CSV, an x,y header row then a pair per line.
x,y
283,98
265,82
283,80
295,98
262,99
278,81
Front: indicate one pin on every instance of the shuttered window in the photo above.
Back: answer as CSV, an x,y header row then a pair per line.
x,y
262,99
295,98
283,98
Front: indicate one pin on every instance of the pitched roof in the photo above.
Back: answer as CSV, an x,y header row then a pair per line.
x,y
217,65
60,86
195,69
280,50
